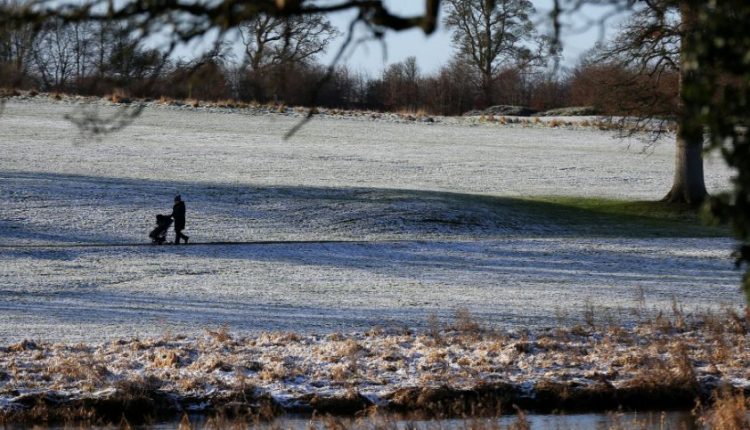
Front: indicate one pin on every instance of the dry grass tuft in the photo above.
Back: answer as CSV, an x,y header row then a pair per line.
x,y
221,334
589,314
169,101
9,92
166,358
465,323
275,372
729,412
335,337
138,386
456,369
227,103
24,345
185,423
76,370
349,348
434,329
657,377
340,373
521,422
119,96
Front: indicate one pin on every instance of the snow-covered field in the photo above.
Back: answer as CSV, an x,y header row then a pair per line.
x,y
435,210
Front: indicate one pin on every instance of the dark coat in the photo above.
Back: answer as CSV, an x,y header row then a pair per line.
x,y
178,213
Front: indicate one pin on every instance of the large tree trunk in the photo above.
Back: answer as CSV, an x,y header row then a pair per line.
x,y
688,185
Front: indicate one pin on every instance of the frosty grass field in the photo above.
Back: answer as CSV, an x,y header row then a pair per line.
x,y
443,216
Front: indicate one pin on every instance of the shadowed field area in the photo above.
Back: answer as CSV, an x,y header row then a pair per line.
x,y
523,227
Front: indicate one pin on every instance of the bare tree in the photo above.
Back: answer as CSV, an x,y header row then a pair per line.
x,y
53,55
401,85
653,43
491,34
277,44
16,43
82,36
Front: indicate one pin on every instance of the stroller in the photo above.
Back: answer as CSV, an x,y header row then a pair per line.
x,y
159,234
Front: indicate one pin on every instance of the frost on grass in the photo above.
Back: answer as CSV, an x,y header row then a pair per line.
x,y
454,368
456,196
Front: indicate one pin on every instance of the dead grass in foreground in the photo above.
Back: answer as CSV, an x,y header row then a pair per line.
x,y
457,368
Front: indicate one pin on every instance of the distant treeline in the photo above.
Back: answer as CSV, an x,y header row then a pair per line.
x,y
103,58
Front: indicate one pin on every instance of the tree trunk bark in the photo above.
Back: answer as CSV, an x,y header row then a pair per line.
x,y
688,185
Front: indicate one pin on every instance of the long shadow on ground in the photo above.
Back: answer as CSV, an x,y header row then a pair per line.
x,y
510,260
60,208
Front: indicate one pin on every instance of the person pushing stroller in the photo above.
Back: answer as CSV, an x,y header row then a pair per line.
x,y
178,214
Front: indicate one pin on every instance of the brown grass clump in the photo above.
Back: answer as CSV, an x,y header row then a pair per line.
x,y
435,356
191,384
350,348
422,113
168,101
76,370
589,314
521,422
720,351
277,338
555,123
340,373
275,372
119,96
335,337
727,321
9,92
24,345
434,330
227,103
221,334
185,423
465,323
209,363
670,382
662,324
193,103
729,412
166,358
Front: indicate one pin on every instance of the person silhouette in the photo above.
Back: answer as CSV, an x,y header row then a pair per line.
x,y
178,214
